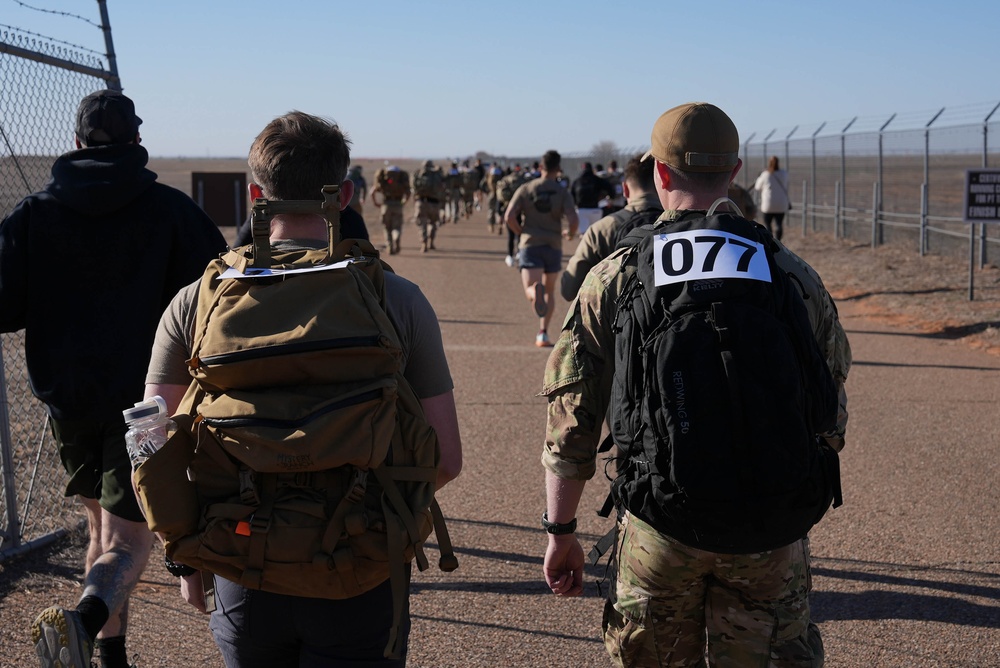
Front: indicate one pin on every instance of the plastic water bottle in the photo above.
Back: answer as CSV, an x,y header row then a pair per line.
x,y
148,426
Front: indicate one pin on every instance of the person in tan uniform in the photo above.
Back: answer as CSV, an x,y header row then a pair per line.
x,y
544,204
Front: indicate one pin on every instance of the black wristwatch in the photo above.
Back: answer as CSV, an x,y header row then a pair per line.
x,y
557,529
178,570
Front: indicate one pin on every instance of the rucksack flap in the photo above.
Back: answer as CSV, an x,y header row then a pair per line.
x,y
715,394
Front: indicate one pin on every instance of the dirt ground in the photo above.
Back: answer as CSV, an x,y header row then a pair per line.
x,y
887,285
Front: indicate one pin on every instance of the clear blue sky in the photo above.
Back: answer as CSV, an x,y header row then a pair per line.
x,y
448,78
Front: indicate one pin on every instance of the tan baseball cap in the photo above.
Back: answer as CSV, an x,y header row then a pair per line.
x,y
695,137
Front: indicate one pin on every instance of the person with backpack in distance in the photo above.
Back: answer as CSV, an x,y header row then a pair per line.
x,y
772,184
393,185
429,189
507,185
599,241
86,267
697,348
544,204
324,415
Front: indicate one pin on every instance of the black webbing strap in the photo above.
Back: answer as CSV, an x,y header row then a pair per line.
x,y
260,224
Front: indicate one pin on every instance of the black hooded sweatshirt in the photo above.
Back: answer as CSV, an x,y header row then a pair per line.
x,y
87,267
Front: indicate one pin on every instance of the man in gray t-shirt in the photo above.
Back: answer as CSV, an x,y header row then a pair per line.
x,y
292,159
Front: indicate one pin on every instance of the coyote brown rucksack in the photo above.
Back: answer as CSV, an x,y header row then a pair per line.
x,y
719,391
429,183
303,463
508,185
395,183
470,182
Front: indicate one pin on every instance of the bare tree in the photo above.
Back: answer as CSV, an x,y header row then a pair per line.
x,y
604,152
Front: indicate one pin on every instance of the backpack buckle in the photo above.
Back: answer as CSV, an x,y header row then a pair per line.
x,y
356,488
248,487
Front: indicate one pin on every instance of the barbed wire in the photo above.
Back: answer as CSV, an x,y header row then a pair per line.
x,y
52,39
57,13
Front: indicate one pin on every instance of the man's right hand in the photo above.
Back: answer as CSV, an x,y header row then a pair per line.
x,y
193,591
563,565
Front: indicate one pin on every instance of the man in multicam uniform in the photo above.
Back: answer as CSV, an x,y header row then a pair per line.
x,y
669,599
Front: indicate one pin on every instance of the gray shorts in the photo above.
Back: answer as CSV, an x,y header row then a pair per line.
x,y
546,258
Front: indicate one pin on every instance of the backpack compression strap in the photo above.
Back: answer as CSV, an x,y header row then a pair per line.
x,y
260,226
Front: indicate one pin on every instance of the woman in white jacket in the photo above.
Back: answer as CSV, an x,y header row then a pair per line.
x,y
772,184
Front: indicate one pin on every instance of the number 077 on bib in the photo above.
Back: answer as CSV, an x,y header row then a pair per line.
x,y
707,254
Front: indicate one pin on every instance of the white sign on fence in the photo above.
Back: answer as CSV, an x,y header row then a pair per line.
x,y
982,196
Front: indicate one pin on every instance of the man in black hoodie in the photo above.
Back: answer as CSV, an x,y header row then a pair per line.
x,y
87,266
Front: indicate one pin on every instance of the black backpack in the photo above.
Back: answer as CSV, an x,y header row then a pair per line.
x,y
719,391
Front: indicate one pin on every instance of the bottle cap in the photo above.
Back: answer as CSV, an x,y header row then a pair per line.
x,y
143,409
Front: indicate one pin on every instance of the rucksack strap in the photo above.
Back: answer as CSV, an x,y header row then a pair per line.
x,y
260,524
260,226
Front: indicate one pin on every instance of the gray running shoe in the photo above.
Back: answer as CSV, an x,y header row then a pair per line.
x,y
60,639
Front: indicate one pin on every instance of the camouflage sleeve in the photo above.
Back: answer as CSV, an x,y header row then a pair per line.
x,y
826,327
578,377
595,245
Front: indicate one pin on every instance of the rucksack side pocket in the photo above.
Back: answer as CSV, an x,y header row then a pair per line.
x,y
169,499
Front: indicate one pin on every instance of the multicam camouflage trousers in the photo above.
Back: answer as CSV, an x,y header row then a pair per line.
x,y
670,599
392,221
428,217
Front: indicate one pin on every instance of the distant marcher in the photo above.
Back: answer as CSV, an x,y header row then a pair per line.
x,y
614,176
393,184
86,267
506,187
544,204
772,184
360,188
429,189
588,190
491,181
601,238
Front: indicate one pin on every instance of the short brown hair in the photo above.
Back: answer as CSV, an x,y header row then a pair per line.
x,y
551,160
640,172
297,154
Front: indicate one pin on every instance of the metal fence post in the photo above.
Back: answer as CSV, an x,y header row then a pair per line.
x,y
986,159
843,172
10,537
878,204
813,179
875,212
746,161
836,210
805,205
787,137
923,218
763,156
924,240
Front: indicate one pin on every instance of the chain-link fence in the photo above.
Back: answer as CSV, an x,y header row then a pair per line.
x,y
889,180
41,83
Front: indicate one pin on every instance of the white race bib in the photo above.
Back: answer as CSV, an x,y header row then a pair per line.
x,y
705,254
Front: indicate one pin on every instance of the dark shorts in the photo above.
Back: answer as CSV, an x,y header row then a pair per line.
x,y
93,454
258,629
546,258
